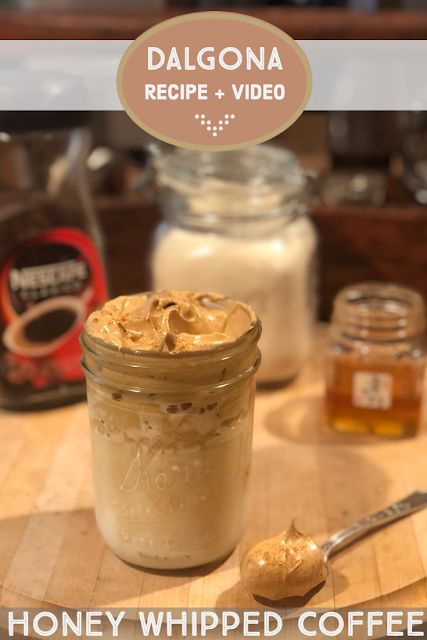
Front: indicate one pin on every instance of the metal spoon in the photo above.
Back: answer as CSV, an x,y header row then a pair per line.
x,y
395,511
292,564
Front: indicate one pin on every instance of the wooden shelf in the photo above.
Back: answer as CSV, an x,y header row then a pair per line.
x,y
307,23
359,243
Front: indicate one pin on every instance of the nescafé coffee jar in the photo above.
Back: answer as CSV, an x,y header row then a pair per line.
x,y
51,272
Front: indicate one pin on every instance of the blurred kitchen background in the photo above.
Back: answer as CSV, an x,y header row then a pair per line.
x,y
125,19
135,5
368,175
370,189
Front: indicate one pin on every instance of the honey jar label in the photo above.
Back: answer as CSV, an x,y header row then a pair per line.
x,y
372,390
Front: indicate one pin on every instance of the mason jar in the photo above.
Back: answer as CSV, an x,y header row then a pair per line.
x,y
171,444
237,223
376,360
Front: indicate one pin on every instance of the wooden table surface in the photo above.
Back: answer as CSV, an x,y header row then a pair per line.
x,y
52,554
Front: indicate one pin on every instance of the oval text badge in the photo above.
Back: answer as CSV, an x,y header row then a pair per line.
x,y
214,80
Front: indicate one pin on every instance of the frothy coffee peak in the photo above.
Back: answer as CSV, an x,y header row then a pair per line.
x,y
290,564
170,321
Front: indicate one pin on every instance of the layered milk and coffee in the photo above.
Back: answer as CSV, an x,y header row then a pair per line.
x,y
170,389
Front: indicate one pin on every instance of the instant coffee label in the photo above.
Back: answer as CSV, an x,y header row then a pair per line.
x,y
214,80
48,285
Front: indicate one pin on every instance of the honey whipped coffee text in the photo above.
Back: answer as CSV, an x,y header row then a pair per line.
x,y
209,623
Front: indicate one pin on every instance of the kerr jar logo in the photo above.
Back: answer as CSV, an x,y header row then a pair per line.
x,y
214,80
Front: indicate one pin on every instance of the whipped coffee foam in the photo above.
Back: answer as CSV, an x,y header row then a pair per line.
x,y
287,565
172,321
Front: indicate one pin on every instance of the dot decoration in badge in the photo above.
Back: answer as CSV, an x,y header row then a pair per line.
x,y
214,129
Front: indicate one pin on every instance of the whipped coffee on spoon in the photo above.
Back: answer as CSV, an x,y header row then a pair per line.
x,y
292,564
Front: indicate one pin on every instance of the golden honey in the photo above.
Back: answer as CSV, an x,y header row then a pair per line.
x,y
376,361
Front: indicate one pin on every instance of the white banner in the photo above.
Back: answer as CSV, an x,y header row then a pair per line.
x,y
350,75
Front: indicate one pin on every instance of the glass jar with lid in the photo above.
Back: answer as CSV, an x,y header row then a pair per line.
x,y
236,223
376,360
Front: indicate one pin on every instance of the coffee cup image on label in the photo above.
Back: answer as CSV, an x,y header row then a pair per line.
x,y
214,80
45,327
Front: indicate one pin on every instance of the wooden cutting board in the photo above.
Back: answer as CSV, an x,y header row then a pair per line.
x,y
52,554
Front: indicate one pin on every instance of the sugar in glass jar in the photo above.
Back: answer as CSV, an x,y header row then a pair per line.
x,y
236,223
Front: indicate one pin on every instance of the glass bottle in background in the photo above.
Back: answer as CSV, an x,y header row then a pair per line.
x,y
361,144
237,223
51,268
413,153
362,139
376,360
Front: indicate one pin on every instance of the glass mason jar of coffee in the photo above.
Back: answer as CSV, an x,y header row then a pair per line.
x,y
376,360
237,222
51,271
171,430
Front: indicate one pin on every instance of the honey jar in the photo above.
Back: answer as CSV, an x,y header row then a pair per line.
x,y
375,361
